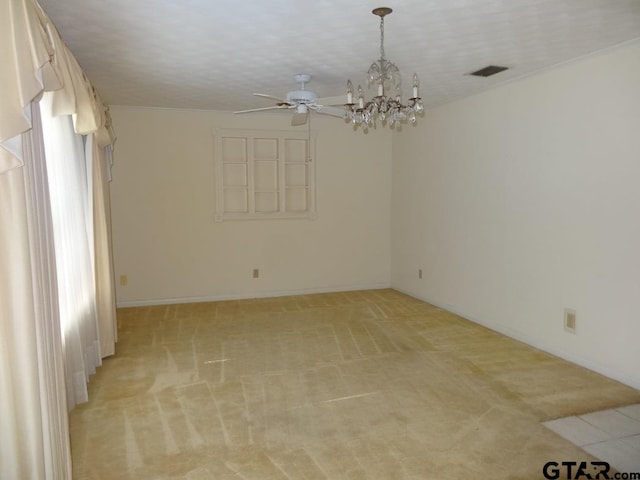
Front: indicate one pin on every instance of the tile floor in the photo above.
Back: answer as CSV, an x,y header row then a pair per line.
x,y
355,385
611,435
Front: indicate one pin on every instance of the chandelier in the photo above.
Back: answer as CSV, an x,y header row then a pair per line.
x,y
385,75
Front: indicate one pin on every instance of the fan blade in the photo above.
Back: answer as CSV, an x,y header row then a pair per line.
x,y
264,95
299,119
333,111
277,107
337,100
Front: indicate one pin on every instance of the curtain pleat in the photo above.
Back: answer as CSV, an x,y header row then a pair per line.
x,y
21,451
103,267
49,337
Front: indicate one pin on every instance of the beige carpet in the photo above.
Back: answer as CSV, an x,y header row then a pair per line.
x,y
357,385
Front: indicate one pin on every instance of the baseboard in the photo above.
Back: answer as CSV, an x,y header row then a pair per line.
x,y
246,296
519,336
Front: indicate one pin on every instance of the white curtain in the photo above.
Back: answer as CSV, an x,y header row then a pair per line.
x,y
52,315
34,435
72,215
99,165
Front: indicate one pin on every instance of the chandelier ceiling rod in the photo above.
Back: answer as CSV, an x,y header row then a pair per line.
x,y
381,12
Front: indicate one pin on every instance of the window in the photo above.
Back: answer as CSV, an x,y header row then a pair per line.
x,y
264,174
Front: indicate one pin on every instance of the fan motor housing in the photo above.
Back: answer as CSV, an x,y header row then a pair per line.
x,y
301,96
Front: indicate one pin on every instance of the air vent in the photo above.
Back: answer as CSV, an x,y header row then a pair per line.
x,y
488,71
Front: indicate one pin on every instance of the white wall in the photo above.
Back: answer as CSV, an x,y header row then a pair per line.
x,y
167,242
515,203
524,200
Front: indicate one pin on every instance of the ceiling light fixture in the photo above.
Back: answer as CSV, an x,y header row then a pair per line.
x,y
385,75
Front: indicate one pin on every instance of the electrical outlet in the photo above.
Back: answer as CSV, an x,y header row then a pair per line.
x,y
123,280
256,273
420,273
569,320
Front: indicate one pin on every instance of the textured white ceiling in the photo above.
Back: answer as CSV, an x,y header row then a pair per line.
x,y
213,54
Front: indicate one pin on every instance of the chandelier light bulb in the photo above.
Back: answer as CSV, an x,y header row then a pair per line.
x,y
349,92
360,97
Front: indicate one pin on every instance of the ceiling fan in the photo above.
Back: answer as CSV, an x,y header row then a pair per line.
x,y
301,101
